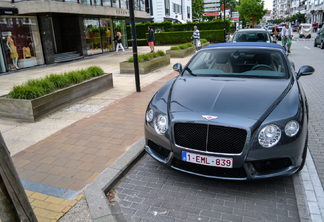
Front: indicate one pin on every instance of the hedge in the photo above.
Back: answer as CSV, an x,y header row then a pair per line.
x,y
141,28
168,38
140,42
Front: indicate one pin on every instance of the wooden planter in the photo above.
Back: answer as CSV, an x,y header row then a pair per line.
x,y
181,53
144,67
31,110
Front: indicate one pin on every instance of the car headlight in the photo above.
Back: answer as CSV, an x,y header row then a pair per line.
x,y
149,115
292,128
269,136
160,124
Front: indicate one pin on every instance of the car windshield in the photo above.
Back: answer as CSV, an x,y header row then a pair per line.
x,y
243,63
251,37
306,26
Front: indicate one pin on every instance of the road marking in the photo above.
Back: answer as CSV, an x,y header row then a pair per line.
x,y
306,47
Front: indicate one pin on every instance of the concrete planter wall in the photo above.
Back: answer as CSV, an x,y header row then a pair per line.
x,y
145,67
181,53
30,110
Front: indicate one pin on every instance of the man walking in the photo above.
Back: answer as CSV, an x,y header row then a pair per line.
x,y
151,38
196,36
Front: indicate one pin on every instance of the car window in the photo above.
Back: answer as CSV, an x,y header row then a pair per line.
x,y
239,63
251,37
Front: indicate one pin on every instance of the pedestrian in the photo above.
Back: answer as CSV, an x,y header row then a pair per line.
x,y
118,37
196,36
151,38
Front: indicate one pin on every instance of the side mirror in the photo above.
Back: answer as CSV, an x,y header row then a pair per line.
x,y
177,67
305,70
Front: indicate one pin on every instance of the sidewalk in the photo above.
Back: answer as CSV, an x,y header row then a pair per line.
x,y
60,154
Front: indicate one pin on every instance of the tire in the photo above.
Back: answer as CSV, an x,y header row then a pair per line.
x,y
303,156
315,44
322,45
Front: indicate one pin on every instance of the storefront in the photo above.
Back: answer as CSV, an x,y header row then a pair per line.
x,y
20,42
100,32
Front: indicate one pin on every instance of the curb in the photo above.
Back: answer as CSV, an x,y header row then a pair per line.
x,y
95,193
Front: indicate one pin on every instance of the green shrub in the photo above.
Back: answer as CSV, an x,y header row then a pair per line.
x,y
168,38
202,41
26,92
35,88
147,56
139,42
174,48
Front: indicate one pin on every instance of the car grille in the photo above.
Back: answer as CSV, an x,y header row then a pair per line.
x,y
210,138
158,149
271,165
209,170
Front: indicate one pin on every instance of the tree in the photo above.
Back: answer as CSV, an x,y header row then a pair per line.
x,y
300,17
197,9
251,10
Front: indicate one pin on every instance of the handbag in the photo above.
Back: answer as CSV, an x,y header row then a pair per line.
x,y
198,43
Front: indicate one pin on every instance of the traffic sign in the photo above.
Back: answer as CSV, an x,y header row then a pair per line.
x,y
211,14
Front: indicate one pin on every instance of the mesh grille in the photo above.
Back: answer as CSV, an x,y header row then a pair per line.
x,y
158,149
271,165
209,170
225,140
191,135
220,139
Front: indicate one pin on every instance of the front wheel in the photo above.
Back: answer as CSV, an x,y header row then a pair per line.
x,y
322,45
315,44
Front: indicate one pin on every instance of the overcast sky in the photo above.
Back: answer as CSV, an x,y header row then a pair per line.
x,y
268,4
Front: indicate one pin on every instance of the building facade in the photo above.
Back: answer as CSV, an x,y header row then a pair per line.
x,y
179,11
313,9
45,32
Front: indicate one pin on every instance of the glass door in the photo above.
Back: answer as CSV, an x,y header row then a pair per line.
x,y
106,33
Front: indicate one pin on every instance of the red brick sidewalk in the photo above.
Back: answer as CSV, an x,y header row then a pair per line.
x,y
78,154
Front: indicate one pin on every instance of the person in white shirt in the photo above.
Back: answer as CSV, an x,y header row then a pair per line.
x,y
286,33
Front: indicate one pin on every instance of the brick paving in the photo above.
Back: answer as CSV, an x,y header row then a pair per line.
x,y
152,192
75,156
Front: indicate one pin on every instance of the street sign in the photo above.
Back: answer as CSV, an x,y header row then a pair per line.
x,y
211,1
210,10
211,14
212,5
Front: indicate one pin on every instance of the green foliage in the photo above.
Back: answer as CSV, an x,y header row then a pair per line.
x,y
26,92
202,41
147,56
140,42
301,18
251,10
141,28
169,38
35,88
174,48
197,9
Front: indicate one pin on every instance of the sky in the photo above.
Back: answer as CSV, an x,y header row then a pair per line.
x,y
268,4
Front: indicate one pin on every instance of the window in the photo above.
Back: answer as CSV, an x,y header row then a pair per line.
x,y
167,7
188,12
176,8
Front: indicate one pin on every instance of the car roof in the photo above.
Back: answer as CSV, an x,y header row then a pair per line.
x,y
246,45
251,30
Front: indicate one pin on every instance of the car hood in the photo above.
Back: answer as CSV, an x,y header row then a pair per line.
x,y
247,98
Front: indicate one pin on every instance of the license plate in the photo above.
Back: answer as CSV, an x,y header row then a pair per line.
x,y
207,160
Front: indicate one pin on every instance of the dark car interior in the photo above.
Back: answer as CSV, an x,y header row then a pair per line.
x,y
239,62
251,37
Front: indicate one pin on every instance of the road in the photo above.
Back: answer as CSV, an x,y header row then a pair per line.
x,y
151,192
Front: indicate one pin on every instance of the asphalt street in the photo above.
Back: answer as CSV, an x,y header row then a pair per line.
x,y
151,192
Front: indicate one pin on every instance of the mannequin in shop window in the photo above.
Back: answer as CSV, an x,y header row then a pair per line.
x,y
13,50
26,52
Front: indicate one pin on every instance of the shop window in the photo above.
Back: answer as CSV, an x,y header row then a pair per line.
x,y
115,3
188,12
21,42
92,36
86,2
96,2
123,4
167,7
106,34
121,25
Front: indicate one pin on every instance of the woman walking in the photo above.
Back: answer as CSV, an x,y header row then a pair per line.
x,y
119,41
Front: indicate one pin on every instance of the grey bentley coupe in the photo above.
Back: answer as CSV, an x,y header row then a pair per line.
x,y
236,111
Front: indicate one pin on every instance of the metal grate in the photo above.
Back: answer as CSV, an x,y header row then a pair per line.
x,y
271,165
209,170
218,139
158,149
